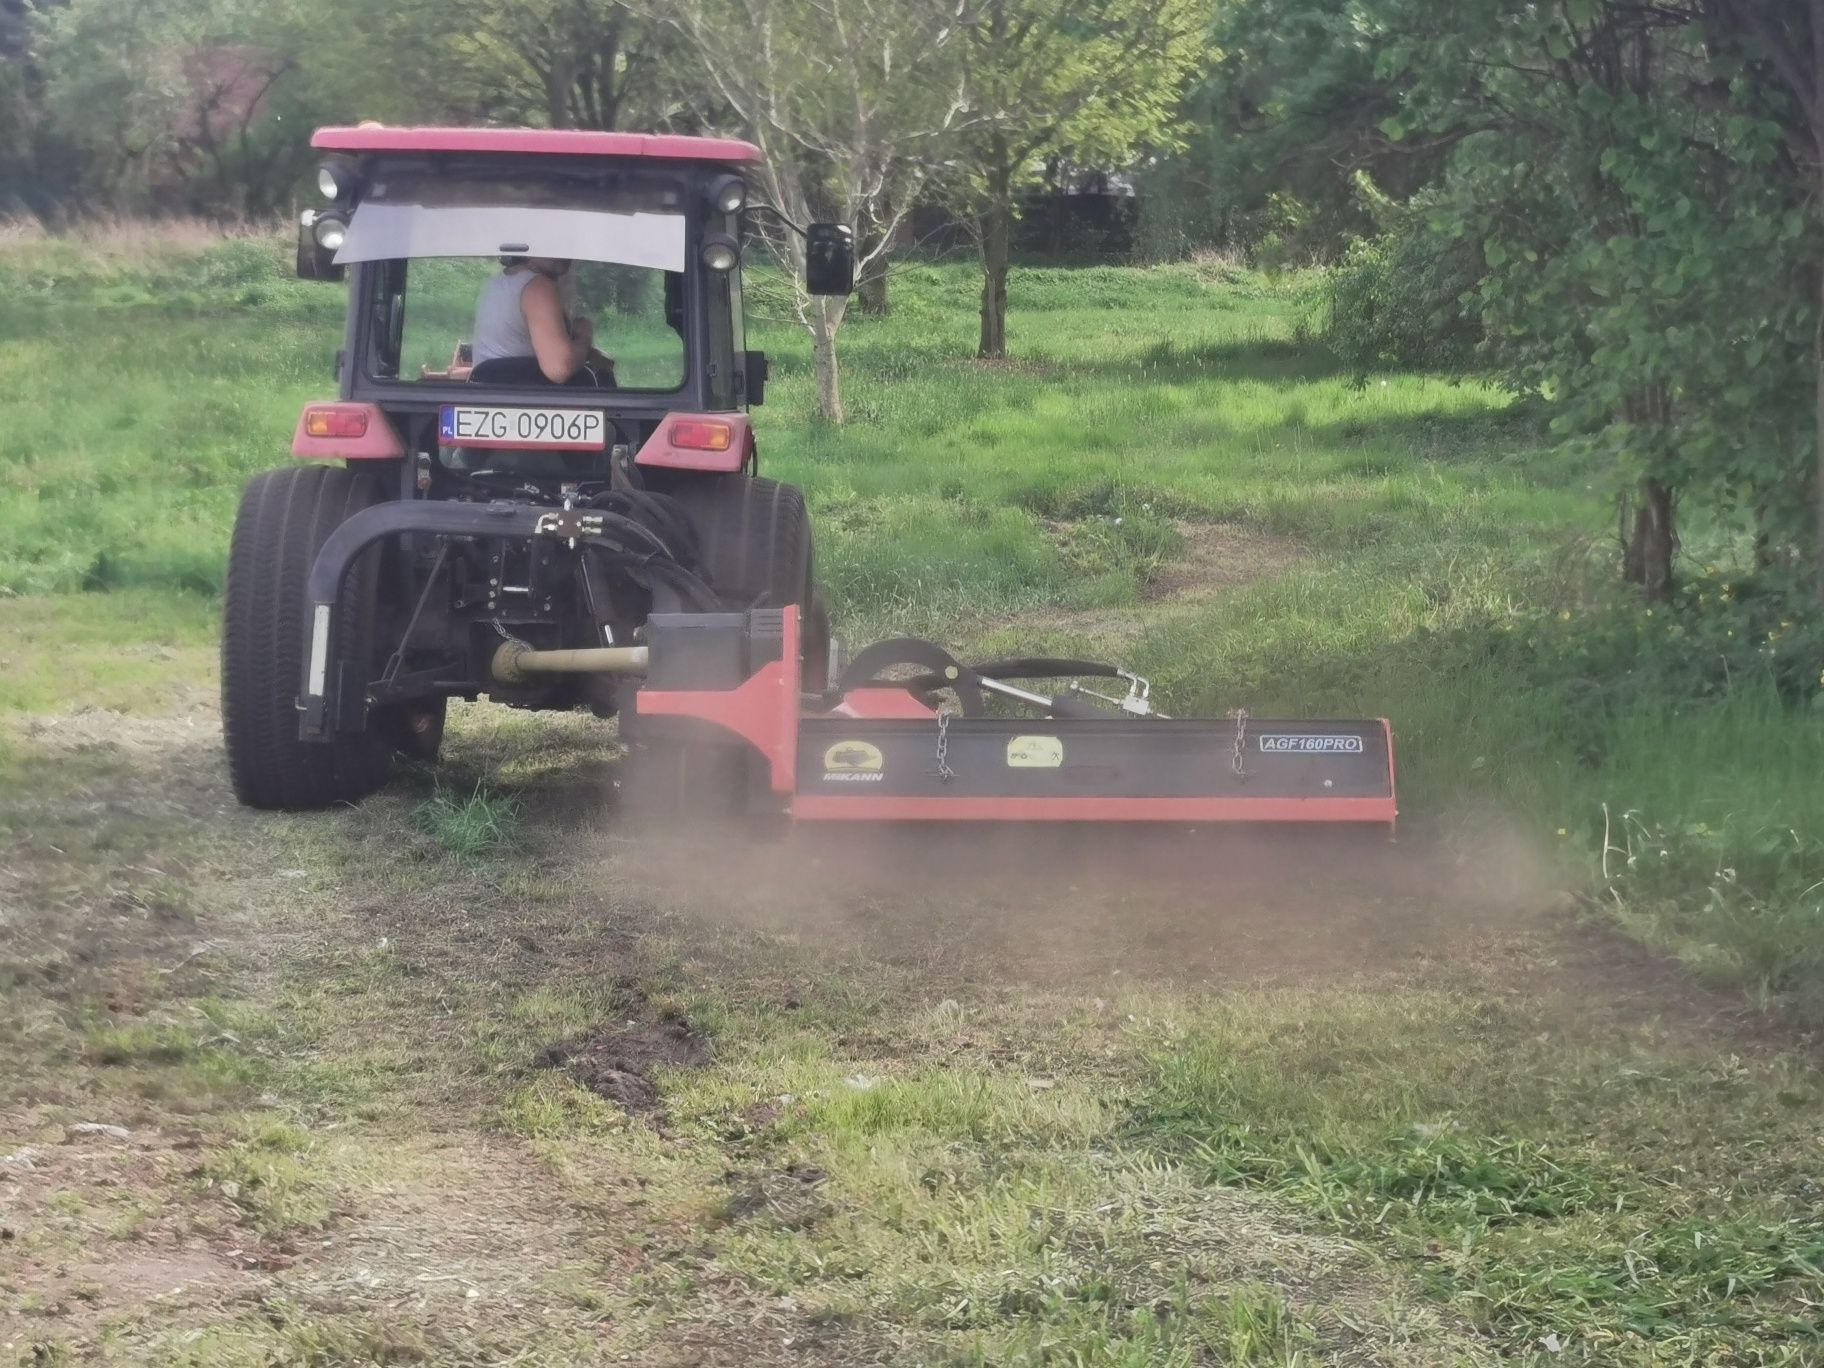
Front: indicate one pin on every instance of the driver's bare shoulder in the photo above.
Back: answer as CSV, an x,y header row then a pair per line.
x,y
541,292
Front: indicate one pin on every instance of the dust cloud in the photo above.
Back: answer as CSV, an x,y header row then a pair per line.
x,y
1073,902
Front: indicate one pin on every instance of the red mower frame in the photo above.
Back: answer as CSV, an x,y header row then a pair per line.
x,y
767,710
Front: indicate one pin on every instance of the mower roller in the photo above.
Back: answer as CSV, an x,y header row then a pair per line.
x,y
566,529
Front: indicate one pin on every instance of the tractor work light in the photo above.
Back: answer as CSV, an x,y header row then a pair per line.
x,y
330,232
335,420
720,252
701,434
337,183
728,194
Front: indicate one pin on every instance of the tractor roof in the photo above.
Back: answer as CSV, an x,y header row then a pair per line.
x,y
534,141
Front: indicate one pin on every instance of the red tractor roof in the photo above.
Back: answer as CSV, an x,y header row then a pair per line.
x,y
565,141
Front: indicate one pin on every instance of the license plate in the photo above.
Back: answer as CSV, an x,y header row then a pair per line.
x,y
523,429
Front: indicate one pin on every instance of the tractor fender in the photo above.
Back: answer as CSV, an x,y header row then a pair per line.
x,y
716,442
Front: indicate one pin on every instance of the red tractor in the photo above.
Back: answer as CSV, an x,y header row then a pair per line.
x,y
539,483
452,512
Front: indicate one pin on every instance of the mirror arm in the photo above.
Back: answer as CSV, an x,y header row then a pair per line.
x,y
758,208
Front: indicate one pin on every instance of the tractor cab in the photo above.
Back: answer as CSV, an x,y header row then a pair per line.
x,y
438,233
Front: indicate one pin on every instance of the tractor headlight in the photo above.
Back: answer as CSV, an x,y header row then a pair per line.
x,y
330,232
720,252
337,183
728,194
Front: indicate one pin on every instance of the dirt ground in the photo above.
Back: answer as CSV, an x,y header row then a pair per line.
x,y
255,1109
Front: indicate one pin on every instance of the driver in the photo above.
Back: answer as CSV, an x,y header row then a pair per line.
x,y
520,316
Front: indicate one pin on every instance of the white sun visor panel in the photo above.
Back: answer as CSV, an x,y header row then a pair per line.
x,y
388,232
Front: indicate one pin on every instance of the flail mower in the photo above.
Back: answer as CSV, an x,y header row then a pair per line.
x,y
505,500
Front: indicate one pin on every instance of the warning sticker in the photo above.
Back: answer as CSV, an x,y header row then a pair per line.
x,y
853,762
1035,752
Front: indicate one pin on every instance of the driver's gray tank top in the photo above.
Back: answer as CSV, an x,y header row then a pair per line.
x,y
500,324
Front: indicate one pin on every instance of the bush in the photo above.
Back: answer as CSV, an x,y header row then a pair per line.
x,y
1402,299
1720,634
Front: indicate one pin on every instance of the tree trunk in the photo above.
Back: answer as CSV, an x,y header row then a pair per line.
x,y
823,357
1817,492
1647,551
996,235
557,96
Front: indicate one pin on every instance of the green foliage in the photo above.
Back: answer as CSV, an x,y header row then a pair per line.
x,y
1647,256
1604,654
1089,82
1289,112
180,104
1673,340
1404,298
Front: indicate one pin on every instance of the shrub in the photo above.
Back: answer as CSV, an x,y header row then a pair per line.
x,y
1402,299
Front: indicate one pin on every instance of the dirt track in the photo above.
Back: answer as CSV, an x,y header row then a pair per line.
x,y
221,984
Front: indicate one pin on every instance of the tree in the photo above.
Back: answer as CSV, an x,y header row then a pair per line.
x,y
1768,46
850,102
21,106
1091,79
562,63
176,103
1643,252
1284,123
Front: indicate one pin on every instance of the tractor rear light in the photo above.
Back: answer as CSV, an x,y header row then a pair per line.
x,y
697,434
335,422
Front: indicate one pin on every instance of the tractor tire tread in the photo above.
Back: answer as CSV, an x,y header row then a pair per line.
x,y
285,516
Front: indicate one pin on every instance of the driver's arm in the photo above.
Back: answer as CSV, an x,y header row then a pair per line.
x,y
559,354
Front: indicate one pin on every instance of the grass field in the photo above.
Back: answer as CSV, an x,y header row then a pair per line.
x,y
462,1077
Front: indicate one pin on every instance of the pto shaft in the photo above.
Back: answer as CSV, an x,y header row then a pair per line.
x,y
515,661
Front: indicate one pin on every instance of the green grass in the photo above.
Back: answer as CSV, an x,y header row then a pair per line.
x,y
136,650
1446,1171
1486,1172
477,825
1435,543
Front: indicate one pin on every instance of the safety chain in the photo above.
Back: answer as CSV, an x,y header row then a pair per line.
x,y
944,772
1238,761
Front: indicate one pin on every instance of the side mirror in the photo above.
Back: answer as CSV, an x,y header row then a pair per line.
x,y
829,259
754,367
315,261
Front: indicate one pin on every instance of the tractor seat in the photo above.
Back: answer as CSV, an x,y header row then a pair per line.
x,y
523,370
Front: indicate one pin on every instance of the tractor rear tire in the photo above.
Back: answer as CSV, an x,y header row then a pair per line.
x,y
285,517
754,548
